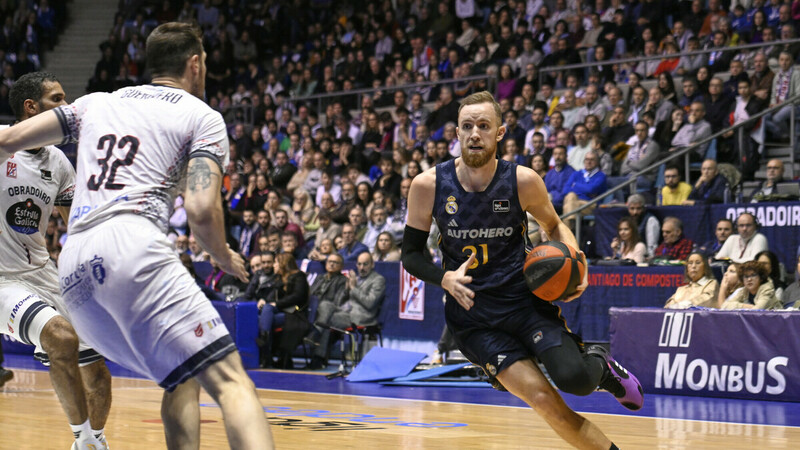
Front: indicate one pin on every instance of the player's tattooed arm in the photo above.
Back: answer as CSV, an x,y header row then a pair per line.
x,y
199,175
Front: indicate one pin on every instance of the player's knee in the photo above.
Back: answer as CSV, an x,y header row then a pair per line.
x,y
59,340
573,379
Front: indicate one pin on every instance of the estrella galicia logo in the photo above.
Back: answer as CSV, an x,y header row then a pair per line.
x,y
676,330
98,271
23,217
501,206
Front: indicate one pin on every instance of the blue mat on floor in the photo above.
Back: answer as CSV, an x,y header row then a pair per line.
x,y
430,373
462,384
385,364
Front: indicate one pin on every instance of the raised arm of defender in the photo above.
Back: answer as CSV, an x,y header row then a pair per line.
x,y
43,129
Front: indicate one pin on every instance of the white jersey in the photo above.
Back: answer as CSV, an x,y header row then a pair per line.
x,y
33,184
133,148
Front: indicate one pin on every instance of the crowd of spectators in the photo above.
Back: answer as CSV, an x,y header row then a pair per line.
x,y
28,28
332,183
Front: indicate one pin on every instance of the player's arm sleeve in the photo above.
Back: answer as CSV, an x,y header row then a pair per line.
x,y
415,257
69,118
211,140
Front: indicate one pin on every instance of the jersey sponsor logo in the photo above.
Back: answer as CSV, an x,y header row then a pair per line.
x,y
11,169
501,206
451,206
676,330
486,233
452,223
33,191
16,308
46,175
199,330
537,337
23,217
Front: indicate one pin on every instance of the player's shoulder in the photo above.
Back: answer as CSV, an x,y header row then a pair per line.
x,y
426,180
527,176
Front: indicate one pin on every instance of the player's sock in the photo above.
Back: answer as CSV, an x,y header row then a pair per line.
x,y
82,430
100,435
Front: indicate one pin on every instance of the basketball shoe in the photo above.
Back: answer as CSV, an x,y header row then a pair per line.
x,y
5,375
89,443
622,384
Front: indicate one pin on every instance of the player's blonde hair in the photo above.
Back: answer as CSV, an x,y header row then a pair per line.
x,y
479,98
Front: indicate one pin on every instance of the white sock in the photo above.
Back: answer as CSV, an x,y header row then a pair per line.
x,y
98,433
81,431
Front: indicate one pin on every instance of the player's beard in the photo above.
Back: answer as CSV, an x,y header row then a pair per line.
x,y
476,160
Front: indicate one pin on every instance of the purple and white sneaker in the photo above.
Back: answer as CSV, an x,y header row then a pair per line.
x,y
622,384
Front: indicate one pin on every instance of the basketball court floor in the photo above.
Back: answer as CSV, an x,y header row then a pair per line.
x,y
308,411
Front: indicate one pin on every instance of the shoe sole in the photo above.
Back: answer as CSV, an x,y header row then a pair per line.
x,y
6,378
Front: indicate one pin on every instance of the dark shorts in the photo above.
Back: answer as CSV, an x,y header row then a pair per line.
x,y
504,326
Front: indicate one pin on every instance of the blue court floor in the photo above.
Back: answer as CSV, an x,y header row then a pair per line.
x,y
659,406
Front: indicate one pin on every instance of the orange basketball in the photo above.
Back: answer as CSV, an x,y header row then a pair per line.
x,y
553,270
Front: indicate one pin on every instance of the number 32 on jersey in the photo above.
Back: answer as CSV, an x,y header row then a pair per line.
x,y
111,163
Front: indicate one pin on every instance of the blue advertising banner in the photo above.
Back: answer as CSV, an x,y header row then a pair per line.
x,y
711,353
622,286
780,223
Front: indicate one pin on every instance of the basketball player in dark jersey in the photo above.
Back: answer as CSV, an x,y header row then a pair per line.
x,y
479,205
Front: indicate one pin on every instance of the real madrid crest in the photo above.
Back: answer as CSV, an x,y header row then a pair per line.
x,y
490,369
451,206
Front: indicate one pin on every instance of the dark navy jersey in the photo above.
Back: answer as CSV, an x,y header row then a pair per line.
x,y
490,224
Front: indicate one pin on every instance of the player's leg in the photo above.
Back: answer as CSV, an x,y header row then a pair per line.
x,y
97,385
571,370
524,379
60,343
180,413
233,390
5,374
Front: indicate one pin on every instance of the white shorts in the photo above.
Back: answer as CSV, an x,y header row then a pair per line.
x,y
130,297
27,302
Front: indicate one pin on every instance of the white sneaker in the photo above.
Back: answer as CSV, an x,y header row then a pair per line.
x,y
89,443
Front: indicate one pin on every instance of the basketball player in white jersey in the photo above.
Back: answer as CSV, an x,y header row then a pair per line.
x,y
35,182
126,291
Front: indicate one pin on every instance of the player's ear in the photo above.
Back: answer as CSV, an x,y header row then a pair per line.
x,y
31,107
194,64
501,131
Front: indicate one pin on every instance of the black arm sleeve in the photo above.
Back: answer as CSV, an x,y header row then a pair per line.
x,y
416,259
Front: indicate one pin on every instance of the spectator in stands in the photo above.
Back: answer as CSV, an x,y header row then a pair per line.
x,y
690,64
378,224
389,180
745,245
638,102
627,244
785,85
761,80
195,251
249,230
364,295
351,247
730,87
701,289
710,187
358,219
538,116
446,111
385,248
722,232
758,292
281,223
282,173
667,87
342,211
304,213
719,60
768,186
676,246
556,179
774,268
693,131
718,104
647,224
642,153
291,299
791,296
328,187
619,130
744,150
731,284
592,105
674,191
323,250
583,186
539,165
576,154
660,107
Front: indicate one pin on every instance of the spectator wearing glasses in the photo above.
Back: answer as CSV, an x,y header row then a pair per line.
x,y
768,186
701,289
676,246
747,244
758,292
674,191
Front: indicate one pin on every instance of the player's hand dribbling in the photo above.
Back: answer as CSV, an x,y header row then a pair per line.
x,y
454,281
235,266
584,283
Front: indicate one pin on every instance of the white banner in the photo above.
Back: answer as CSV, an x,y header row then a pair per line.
x,y
412,296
